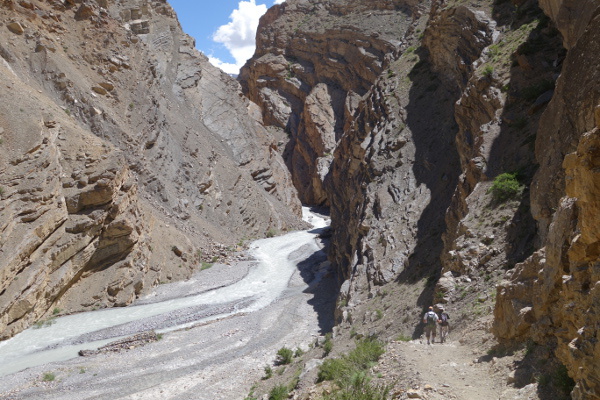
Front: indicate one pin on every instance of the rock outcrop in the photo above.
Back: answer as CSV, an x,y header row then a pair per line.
x,y
552,297
409,154
118,143
314,59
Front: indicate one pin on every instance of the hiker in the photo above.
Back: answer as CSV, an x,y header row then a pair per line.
x,y
430,319
444,325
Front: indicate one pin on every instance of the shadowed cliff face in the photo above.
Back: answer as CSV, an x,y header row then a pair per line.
x,y
406,153
126,159
552,297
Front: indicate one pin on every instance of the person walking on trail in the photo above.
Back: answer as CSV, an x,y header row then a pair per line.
x,y
430,319
444,324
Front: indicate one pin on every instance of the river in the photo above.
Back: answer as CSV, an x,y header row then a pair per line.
x,y
275,261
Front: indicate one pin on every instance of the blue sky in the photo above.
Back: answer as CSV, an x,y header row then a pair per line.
x,y
224,29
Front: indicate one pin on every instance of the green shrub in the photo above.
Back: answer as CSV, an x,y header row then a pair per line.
x,y
505,186
366,353
362,358
299,352
268,372
271,233
333,369
279,392
284,356
205,265
328,344
358,387
488,71
49,377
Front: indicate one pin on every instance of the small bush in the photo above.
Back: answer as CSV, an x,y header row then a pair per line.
x,y
488,71
284,356
378,314
332,369
505,187
328,344
299,352
358,387
279,392
271,233
268,372
363,357
205,265
49,377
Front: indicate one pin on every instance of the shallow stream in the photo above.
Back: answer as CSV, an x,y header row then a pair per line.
x,y
265,282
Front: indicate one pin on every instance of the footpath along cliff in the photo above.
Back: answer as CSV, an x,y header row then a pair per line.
x,y
455,143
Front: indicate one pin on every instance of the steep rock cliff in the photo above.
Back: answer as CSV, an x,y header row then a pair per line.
x,y
552,298
312,60
126,158
468,95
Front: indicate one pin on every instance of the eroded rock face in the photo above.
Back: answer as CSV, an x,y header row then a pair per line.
x,y
572,17
310,59
553,296
119,142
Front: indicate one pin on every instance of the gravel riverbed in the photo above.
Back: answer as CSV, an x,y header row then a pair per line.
x,y
218,359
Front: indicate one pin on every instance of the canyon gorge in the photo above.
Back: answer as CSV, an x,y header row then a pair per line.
x,y
454,144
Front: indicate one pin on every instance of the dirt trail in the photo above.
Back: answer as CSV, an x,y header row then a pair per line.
x,y
439,371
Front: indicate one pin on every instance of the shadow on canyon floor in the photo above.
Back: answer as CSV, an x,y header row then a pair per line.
x,y
322,283
430,118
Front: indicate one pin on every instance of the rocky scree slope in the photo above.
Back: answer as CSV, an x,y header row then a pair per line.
x,y
403,129
126,159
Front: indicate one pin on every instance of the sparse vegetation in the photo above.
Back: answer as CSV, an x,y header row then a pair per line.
x,y
378,314
49,377
403,338
350,373
56,311
488,70
268,372
271,233
279,392
205,265
327,344
363,357
44,323
359,387
505,187
284,356
299,352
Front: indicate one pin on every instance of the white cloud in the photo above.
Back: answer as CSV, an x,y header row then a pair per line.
x,y
232,69
278,1
239,35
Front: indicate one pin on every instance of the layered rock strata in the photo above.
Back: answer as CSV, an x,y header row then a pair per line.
x,y
552,298
312,60
126,158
